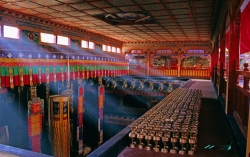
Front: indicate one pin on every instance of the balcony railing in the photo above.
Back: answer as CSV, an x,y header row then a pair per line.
x,y
242,95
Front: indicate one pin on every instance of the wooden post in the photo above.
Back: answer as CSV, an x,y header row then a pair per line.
x,y
215,74
234,35
179,64
246,79
222,61
248,132
216,55
245,103
212,67
148,63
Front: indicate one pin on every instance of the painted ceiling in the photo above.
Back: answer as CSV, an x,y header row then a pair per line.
x,y
130,20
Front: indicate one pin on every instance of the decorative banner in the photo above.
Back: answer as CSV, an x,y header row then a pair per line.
x,y
40,75
11,78
0,78
31,78
20,71
21,77
59,125
80,111
47,75
54,74
35,116
100,111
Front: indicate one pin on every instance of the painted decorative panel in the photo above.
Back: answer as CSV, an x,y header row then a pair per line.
x,y
160,60
30,36
196,61
75,44
136,59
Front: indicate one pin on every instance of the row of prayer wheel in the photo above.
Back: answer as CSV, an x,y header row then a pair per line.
x,y
170,126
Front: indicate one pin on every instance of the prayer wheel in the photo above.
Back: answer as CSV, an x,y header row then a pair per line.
x,y
171,126
59,125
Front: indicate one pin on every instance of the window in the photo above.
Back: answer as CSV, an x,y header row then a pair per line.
x,y
104,47
85,44
91,45
62,40
11,32
163,51
109,48
48,38
136,51
195,51
118,50
113,49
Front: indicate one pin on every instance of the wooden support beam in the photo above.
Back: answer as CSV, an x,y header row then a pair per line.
x,y
233,57
248,132
222,62
216,55
179,64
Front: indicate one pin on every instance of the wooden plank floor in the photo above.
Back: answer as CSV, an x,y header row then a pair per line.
x,y
213,129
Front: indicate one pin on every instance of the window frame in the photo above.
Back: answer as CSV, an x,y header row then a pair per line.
x,y
91,45
68,43
48,42
84,44
18,33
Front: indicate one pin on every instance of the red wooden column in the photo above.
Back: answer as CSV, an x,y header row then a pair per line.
x,y
216,55
179,65
222,61
212,66
234,35
148,63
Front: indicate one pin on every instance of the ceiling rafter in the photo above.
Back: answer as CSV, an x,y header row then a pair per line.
x,y
195,25
173,18
154,19
213,17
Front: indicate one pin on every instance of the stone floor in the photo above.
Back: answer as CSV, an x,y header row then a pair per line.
x,y
206,86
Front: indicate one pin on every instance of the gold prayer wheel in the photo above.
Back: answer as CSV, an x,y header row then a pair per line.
x,y
59,125
171,125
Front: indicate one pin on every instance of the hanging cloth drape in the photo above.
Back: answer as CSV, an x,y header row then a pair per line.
x,y
244,29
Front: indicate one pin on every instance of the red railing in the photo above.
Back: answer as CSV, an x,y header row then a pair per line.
x,y
141,71
195,72
171,71
201,72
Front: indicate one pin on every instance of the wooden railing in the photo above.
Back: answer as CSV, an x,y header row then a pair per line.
x,y
242,97
141,71
195,72
201,72
171,71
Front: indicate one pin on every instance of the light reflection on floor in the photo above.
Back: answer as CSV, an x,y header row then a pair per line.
x,y
2,154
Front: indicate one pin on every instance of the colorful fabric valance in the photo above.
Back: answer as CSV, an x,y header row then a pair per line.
x,y
20,71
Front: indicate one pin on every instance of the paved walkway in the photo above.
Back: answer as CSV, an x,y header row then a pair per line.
x,y
206,86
